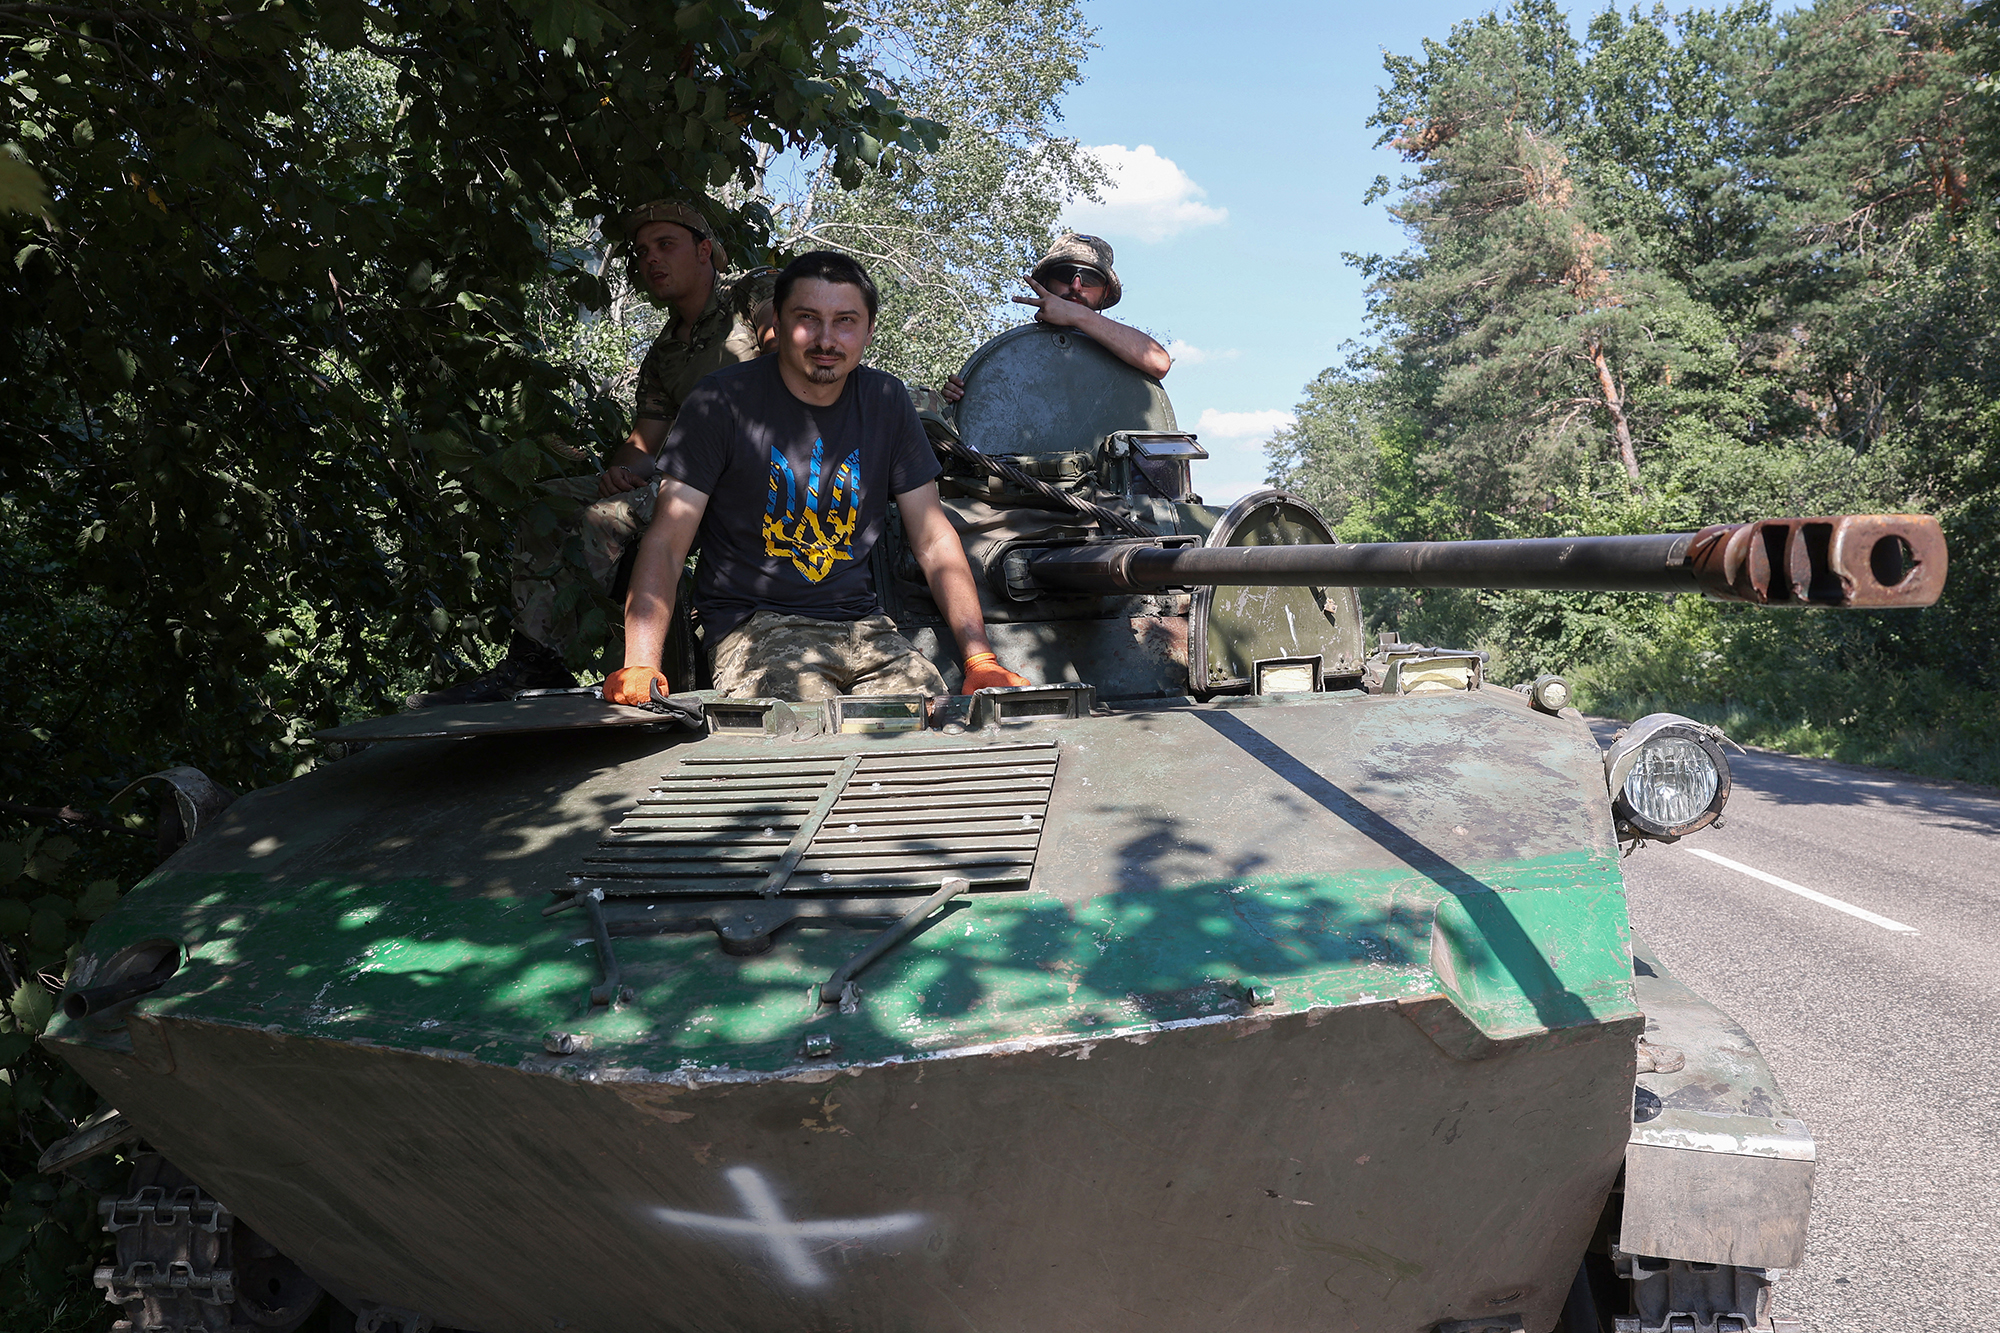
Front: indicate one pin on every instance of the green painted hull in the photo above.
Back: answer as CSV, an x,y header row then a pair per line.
x,y
1052,1107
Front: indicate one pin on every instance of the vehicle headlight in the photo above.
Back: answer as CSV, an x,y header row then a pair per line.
x,y
1667,777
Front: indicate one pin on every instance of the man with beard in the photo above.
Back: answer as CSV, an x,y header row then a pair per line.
x,y
671,256
1074,284
784,467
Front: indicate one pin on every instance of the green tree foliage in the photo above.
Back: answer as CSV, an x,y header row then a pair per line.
x,y
49,1238
1770,244
287,352
1354,449
947,234
21,188
945,229
1529,304
280,358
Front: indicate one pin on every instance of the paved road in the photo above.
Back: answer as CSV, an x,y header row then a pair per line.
x,y
1887,1041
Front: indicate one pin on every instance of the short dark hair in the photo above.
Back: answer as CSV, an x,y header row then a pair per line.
x,y
826,266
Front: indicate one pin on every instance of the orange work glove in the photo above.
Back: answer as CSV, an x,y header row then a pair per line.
x,y
633,685
983,670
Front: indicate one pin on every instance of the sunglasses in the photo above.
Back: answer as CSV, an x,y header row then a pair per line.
x,y
1072,275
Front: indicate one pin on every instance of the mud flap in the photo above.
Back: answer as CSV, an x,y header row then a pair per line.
x,y
1717,1187
1715,1171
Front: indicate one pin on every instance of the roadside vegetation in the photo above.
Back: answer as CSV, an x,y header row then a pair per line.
x,y
1692,268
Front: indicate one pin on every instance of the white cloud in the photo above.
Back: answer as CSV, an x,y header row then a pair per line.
x,y
1234,426
1148,196
1224,494
1187,354
1235,443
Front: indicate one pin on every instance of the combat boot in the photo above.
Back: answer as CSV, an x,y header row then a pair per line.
x,y
527,666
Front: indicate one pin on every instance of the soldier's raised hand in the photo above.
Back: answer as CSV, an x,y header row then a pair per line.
x,y
1053,309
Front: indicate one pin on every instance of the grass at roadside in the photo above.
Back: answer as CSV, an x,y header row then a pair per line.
x,y
1883,688
1919,723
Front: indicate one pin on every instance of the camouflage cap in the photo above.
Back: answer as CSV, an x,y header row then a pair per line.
x,y
1091,252
672,210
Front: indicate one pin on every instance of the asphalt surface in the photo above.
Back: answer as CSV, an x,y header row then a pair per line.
x,y
1886,1042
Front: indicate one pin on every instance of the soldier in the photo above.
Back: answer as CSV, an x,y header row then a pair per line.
x,y
670,253
1074,284
785,467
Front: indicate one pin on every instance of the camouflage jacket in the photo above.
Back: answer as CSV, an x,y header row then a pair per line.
x,y
722,336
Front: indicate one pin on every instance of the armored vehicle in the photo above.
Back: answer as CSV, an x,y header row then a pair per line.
x,y
1239,973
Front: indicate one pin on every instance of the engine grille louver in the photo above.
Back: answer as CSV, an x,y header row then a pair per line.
x,y
889,821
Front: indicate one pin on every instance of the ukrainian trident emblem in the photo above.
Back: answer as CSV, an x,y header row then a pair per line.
x,y
819,533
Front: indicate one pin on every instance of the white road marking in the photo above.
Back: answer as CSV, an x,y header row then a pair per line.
x,y
1822,899
783,1240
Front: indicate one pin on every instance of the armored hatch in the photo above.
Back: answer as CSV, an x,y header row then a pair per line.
x,y
1232,629
1042,390
1068,411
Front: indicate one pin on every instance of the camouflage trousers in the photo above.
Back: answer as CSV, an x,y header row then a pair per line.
x,y
802,659
606,529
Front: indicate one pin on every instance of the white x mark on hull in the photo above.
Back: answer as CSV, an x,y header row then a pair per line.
x,y
785,1242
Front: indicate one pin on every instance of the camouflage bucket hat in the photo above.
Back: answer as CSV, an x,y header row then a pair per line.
x,y
671,210
1091,252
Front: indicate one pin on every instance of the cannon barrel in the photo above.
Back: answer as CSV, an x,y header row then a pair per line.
x,y
1852,560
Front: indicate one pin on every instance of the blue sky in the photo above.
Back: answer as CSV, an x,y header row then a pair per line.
x,y
1244,158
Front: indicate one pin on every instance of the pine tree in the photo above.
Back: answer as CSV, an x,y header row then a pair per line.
x,y
1528,301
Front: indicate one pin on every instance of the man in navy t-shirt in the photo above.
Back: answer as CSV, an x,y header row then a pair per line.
x,y
785,467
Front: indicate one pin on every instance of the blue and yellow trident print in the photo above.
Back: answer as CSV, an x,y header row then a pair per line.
x,y
819,534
